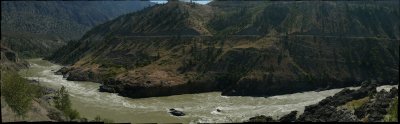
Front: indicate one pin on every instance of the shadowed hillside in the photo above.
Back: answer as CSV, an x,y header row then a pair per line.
x,y
25,24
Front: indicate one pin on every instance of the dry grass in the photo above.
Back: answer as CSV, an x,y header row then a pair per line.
x,y
354,104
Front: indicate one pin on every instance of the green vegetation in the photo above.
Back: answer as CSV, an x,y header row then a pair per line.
x,y
63,103
18,93
392,115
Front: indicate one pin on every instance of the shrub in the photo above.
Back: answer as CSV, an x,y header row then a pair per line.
x,y
63,103
18,93
73,114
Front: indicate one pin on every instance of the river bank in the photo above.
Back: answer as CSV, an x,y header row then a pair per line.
x,y
201,107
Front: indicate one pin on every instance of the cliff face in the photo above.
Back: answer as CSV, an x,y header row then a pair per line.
x,y
225,54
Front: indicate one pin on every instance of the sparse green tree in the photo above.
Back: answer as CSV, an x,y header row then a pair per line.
x,y
63,103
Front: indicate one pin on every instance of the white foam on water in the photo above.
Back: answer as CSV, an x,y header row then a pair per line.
x,y
76,89
386,87
215,112
199,108
225,97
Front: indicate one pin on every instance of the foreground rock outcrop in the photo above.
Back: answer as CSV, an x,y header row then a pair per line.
x,y
362,105
376,109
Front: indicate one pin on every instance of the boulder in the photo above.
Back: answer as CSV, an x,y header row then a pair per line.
x,y
176,112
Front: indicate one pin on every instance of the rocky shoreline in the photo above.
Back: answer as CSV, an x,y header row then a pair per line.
x,y
136,88
344,106
153,87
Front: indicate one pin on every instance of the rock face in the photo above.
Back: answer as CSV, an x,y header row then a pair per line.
x,y
375,109
331,109
326,110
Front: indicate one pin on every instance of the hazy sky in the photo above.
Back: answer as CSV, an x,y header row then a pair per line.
x,y
196,1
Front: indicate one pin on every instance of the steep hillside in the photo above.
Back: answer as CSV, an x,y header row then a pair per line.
x,y
29,45
55,21
309,18
160,20
247,51
10,60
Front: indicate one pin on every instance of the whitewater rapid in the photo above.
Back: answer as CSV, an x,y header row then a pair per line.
x,y
200,108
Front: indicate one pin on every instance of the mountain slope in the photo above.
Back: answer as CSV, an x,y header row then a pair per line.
x,y
168,19
9,60
310,18
60,20
239,52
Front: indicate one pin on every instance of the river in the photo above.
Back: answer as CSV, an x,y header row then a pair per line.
x,y
198,107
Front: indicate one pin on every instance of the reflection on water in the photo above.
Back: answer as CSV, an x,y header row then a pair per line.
x,y
198,107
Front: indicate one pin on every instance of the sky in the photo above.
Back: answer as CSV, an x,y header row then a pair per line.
x,y
196,1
